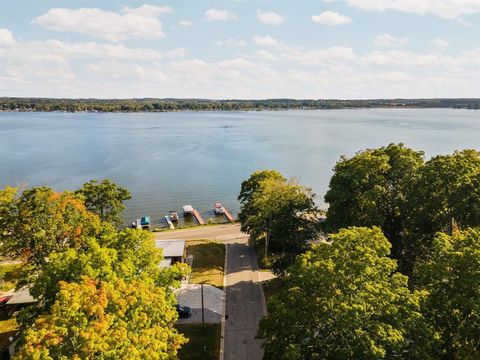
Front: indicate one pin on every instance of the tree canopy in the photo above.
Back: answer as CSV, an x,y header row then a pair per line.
x,y
445,195
451,275
372,188
105,198
99,291
40,221
409,199
247,191
282,212
105,320
345,300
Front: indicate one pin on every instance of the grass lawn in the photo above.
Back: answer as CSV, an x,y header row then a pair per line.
x,y
204,343
8,276
8,328
208,262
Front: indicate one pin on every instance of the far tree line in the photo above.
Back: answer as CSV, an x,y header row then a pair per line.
x,y
161,105
391,272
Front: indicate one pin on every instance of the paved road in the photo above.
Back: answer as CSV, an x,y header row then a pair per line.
x,y
245,303
218,232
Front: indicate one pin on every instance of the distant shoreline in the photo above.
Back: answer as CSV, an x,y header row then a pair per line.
x,y
8,104
230,111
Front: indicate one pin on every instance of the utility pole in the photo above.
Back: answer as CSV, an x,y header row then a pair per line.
x,y
203,309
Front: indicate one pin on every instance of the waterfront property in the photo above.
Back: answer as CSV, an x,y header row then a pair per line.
x,y
173,251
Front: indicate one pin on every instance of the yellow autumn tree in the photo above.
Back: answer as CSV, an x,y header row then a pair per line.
x,y
105,320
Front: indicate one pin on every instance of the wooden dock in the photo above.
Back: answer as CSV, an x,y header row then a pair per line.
x,y
197,216
228,215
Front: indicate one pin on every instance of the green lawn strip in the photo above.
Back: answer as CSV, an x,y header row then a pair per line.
x,y
8,328
208,262
8,276
204,342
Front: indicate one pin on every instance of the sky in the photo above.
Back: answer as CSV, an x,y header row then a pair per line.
x,y
242,49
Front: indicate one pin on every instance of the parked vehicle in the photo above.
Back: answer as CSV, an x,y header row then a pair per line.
x,y
183,311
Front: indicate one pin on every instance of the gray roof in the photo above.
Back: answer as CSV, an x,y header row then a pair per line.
x,y
22,296
171,248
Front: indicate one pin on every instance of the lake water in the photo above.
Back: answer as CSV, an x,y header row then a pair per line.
x,y
167,160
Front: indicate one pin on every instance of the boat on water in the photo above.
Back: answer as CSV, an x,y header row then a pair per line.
x,y
173,215
187,209
219,209
143,223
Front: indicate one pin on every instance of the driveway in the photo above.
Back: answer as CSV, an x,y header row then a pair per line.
x,y
245,302
213,300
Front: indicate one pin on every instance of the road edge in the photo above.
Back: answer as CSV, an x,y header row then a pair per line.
x,y
224,308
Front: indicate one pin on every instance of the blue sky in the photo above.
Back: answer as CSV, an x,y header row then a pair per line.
x,y
240,48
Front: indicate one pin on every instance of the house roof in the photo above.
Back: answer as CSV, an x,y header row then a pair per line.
x,y
22,296
171,248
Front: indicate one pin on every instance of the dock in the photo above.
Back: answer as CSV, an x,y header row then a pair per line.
x,y
228,215
169,222
197,216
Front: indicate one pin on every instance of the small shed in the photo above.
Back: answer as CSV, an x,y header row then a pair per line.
x,y
173,251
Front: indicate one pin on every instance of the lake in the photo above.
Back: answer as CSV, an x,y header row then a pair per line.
x,y
167,160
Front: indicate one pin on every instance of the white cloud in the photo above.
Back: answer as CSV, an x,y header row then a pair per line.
x,y
6,37
387,40
219,15
266,40
131,23
231,42
448,9
265,55
440,44
185,23
148,10
333,55
88,69
270,18
331,18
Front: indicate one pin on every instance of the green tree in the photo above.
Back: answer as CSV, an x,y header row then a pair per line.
x,y
371,189
451,275
285,212
280,211
248,188
105,199
105,320
344,300
445,196
129,255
